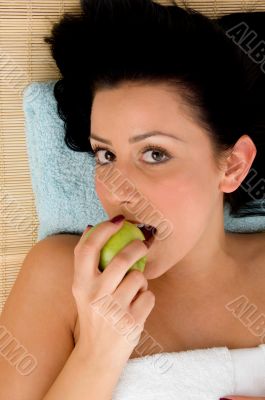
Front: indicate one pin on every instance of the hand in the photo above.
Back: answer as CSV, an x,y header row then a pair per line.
x,y
112,308
242,398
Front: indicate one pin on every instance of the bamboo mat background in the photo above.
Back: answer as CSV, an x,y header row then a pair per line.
x,y
25,58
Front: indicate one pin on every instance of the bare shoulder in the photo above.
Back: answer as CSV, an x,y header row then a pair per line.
x,y
56,243
54,259
39,315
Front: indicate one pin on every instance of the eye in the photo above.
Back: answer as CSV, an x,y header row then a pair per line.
x,y
96,151
157,154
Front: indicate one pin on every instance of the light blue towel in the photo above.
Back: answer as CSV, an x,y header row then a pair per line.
x,y
62,180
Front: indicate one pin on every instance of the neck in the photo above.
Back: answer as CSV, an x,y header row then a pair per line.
x,y
213,257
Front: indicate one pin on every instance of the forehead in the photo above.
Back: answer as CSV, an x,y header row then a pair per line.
x,y
131,101
132,109
137,91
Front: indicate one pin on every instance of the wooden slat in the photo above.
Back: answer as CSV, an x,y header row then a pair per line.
x,y
23,25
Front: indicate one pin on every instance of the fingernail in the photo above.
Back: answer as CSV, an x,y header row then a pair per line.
x,y
117,219
87,228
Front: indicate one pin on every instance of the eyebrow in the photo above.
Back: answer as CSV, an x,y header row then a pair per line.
x,y
137,138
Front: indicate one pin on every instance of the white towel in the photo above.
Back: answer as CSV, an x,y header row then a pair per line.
x,y
249,366
202,374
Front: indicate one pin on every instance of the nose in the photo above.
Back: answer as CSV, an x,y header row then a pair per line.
x,y
119,185
124,190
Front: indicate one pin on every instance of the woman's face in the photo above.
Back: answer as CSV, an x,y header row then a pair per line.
x,y
180,182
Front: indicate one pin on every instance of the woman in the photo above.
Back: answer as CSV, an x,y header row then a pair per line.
x,y
169,99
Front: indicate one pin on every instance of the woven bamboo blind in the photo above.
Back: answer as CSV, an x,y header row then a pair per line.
x,y
25,58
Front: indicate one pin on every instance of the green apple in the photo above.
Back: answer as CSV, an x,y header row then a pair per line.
x,y
116,242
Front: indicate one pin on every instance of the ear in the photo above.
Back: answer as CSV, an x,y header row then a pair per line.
x,y
237,164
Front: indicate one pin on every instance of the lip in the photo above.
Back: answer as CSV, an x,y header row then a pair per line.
x,y
137,222
133,222
149,237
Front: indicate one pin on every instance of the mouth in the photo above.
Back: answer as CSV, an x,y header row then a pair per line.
x,y
148,230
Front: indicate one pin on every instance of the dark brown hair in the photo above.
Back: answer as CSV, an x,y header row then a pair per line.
x,y
110,42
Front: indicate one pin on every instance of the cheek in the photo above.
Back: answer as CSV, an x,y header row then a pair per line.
x,y
185,190
183,196
186,199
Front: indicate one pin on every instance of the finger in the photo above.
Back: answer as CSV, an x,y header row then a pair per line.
x,y
83,237
145,301
121,263
87,251
134,282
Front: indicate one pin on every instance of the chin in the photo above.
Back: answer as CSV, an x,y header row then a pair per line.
x,y
151,271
